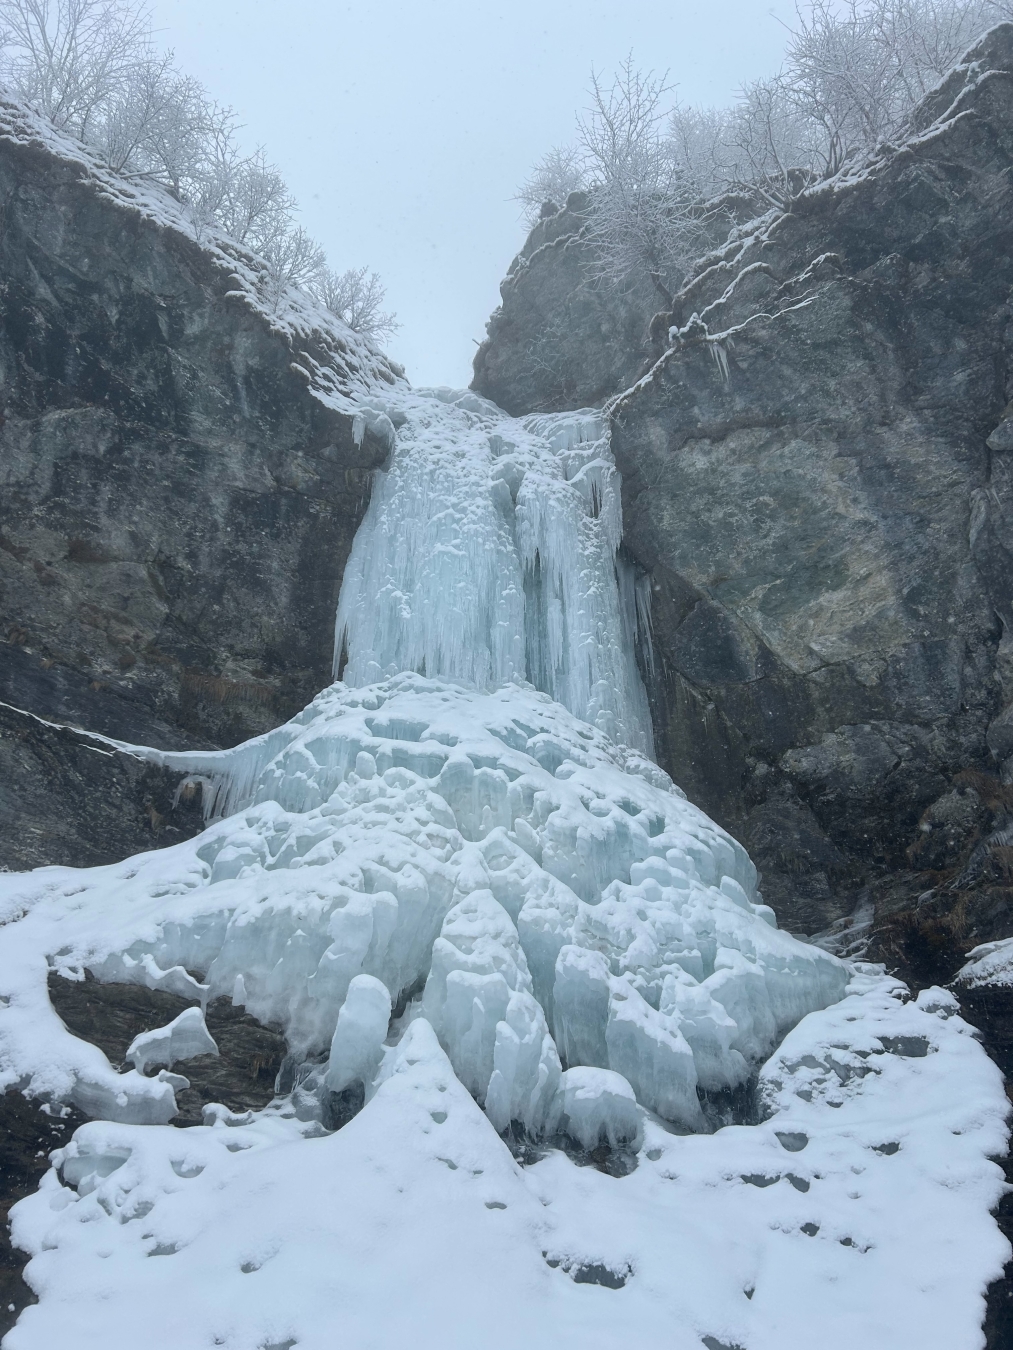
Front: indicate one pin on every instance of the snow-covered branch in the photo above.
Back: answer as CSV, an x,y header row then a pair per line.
x,y
92,68
853,71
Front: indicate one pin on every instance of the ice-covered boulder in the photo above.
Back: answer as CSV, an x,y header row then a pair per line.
x,y
185,1037
597,1106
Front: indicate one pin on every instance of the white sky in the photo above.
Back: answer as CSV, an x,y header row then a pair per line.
x,y
403,127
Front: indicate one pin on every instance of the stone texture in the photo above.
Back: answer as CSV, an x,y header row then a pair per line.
x,y
557,340
241,1076
176,506
66,799
823,502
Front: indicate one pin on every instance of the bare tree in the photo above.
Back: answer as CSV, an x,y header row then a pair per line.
x,y
357,297
699,141
293,259
856,69
853,72
91,66
67,57
554,177
641,219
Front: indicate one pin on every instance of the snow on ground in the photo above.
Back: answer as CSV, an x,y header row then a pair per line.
x,y
856,1215
473,907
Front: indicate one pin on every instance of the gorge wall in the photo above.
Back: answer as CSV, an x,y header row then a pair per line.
x,y
176,503
817,481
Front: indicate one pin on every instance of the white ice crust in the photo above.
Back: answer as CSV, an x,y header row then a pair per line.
x,y
856,1215
185,1037
574,955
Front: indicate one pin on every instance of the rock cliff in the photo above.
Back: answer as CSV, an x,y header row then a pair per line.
x,y
817,481
177,495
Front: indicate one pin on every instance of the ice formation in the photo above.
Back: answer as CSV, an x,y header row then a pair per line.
x,y
546,890
484,917
488,554
185,1037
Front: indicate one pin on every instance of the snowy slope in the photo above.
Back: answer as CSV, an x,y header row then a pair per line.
x,y
339,366
467,894
861,1225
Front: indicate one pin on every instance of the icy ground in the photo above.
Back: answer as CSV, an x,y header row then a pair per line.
x,y
480,914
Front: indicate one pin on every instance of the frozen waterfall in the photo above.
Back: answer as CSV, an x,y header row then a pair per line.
x,y
460,885
489,554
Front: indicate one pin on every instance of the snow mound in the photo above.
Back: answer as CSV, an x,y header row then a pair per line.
x,y
490,848
866,1224
990,965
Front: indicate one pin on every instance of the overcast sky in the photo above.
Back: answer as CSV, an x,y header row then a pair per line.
x,y
404,127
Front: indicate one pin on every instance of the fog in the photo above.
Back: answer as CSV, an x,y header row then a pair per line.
x,y
404,129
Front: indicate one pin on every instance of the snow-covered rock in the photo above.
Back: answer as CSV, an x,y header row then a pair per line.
x,y
185,1037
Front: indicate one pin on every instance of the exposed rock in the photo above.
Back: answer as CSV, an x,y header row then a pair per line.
x,y
29,1132
557,340
176,502
816,481
241,1076
65,798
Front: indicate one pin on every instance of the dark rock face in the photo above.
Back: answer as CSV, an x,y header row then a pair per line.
x,y
241,1076
823,501
557,340
29,1132
176,506
67,799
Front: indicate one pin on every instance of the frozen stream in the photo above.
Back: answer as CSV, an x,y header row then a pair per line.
x,y
468,831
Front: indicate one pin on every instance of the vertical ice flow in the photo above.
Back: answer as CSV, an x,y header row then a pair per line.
x,y
489,554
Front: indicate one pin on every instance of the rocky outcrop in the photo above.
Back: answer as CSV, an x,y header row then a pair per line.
x,y
557,340
67,798
180,477
818,481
